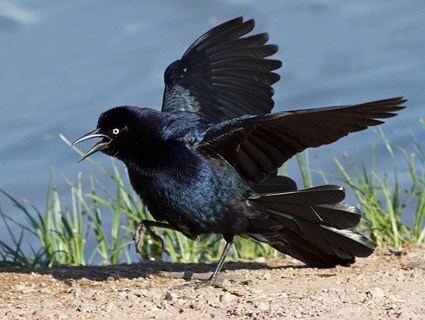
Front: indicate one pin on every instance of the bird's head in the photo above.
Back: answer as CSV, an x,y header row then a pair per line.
x,y
117,128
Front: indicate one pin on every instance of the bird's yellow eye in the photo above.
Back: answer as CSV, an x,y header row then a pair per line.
x,y
116,131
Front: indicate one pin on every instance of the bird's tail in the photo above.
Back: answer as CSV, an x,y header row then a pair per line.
x,y
311,225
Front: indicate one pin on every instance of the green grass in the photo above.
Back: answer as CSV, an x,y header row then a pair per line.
x,y
60,233
384,203
63,228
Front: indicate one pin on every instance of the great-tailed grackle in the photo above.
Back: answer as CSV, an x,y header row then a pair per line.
x,y
207,162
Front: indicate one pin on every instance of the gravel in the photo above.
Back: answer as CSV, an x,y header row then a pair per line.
x,y
383,286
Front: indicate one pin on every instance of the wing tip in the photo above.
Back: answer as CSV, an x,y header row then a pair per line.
x,y
385,108
391,102
232,21
399,101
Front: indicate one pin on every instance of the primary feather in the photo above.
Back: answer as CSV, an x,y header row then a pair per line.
x,y
223,74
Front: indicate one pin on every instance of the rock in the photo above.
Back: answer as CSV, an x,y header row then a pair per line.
x,y
178,303
225,283
226,297
22,288
376,293
156,295
131,296
257,291
197,305
170,296
262,305
44,290
19,287
238,311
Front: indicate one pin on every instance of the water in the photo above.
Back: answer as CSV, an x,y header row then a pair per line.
x,y
63,63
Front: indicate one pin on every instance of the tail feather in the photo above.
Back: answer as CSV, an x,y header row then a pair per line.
x,y
311,225
318,195
319,205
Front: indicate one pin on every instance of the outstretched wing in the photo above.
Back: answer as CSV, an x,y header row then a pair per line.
x,y
258,145
223,75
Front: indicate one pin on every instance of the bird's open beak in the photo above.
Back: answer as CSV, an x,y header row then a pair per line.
x,y
101,145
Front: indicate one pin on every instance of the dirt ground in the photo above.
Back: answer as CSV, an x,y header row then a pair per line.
x,y
384,286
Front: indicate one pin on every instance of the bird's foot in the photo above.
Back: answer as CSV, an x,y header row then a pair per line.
x,y
196,285
210,282
139,234
141,230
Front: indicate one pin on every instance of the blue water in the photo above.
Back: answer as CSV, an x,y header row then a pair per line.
x,y
64,62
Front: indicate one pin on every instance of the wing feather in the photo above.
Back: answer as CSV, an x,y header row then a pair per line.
x,y
258,145
223,74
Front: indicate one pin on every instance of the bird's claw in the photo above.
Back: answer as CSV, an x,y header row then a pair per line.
x,y
210,282
138,236
142,229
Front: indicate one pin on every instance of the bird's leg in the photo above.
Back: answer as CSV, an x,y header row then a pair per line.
x,y
213,278
144,227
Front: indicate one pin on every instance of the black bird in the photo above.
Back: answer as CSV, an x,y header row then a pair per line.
x,y
207,163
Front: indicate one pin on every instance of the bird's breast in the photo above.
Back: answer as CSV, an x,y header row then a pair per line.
x,y
194,194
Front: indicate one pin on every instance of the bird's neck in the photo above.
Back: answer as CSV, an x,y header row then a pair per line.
x,y
146,145
160,157
159,143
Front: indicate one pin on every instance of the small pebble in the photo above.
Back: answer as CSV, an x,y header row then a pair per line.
x,y
226,297
170,296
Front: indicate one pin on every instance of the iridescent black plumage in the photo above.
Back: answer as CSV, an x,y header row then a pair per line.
x,y
223,74
207,162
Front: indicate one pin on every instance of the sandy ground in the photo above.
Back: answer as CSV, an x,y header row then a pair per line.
x,y
384,286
